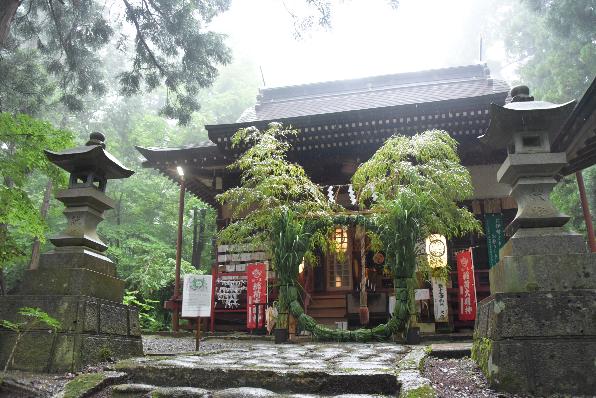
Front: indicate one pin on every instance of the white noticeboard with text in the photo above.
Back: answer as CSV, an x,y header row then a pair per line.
x,y
196,296
440,299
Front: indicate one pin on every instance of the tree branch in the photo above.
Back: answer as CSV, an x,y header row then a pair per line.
x,y
141,38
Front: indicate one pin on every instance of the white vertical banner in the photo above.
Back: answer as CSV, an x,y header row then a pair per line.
x,y
440,299
196,296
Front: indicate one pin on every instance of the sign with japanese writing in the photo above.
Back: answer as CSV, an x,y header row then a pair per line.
x,y
467,285
440,299
256,293
495,236
436,251
196,296
229,292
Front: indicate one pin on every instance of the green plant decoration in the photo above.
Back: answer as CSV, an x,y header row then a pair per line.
x,y
409,188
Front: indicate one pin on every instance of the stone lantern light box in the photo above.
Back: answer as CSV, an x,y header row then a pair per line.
x,y
76,283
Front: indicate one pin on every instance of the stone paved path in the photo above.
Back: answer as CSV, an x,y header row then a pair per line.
x,y
323,369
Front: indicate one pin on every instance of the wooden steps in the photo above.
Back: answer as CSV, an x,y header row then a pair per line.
x,y
328,309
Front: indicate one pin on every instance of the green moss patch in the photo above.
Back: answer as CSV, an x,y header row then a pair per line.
x,y
83,384
425,391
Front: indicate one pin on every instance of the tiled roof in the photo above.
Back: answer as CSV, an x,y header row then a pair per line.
x,y
374,92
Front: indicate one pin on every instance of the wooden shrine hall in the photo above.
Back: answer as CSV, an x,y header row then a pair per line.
x,y
341,124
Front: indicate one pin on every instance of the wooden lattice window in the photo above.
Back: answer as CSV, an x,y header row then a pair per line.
x,y
339,263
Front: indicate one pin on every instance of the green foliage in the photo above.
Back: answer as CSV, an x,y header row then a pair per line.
x,y
26,87
271,188
425,166
481,353
22,141
565,196
554,43
170,47
146,307
32,317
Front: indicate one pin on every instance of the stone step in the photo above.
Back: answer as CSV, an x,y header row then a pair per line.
x,y
328,369
144,390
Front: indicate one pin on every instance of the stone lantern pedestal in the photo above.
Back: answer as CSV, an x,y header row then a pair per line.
x,y
536,332
75,283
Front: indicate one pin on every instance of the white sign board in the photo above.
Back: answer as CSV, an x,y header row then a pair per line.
x,y
391,305
196,296
440,299
421,294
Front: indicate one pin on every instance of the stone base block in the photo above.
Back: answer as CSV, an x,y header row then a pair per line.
x,y
42,351
73,281
91,328
538,315
77,257
540,342
555,272
540,241
539,366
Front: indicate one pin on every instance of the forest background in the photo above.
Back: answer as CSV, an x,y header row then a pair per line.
x,y
549,45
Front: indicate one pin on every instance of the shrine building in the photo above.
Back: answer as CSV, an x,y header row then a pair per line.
x,y
342,124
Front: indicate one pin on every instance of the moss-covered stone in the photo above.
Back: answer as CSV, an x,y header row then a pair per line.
x,y
82,385
86,384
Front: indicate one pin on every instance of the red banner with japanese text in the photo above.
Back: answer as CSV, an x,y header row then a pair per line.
x,y
467,285
256,293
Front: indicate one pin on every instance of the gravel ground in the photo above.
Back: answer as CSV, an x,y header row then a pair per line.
x,y
455,378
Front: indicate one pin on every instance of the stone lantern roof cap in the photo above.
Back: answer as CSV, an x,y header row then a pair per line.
x,y
523,114
90,157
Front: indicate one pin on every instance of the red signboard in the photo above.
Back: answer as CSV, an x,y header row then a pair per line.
x,y
467,285
256,293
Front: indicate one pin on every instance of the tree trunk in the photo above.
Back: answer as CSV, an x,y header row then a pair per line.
x,y
9,183
43,212
8,9
119,214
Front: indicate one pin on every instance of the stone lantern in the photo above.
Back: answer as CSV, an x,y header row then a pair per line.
x,y
536,332
76,283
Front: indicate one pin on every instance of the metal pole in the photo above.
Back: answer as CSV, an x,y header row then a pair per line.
x,y
176,297
198,334
586,210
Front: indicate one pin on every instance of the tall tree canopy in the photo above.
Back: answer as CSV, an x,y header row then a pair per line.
x,y
555,44
170,47
22,141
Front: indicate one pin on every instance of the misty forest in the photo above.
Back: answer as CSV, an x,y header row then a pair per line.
x,y
153,73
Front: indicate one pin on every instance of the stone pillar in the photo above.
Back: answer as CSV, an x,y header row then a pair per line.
x,y
536,332
76,283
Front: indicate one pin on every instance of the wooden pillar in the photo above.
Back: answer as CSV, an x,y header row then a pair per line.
x,y
176,297
586,210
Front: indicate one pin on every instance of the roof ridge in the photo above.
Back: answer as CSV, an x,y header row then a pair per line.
x,y
479,70
376,90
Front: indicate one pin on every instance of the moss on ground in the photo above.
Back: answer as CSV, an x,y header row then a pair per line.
x,y
425,391
82,384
